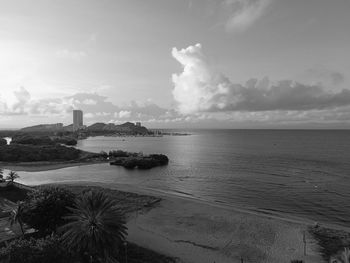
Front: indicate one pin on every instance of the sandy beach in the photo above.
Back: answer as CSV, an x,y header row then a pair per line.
x,y
195,231
44,166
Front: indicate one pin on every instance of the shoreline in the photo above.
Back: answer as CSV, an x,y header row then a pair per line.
x,y
231,208
196,231
46,166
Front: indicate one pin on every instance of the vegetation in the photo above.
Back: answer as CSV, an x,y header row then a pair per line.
x,y
17,216
91,231
332,242
43,250
12,176
96,227
45,208
141,162
1,174
35,153
13,193
33,140
118,153
43,139
67,140
3,141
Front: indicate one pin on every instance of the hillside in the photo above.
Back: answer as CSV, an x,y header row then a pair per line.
x,y
125,128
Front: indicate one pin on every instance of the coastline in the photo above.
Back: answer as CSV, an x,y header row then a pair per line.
x,y
46,166
195,231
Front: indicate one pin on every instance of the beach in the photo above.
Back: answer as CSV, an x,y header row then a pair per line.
x,y
45,166
195,231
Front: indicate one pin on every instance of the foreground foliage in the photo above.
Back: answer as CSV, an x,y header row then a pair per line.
x,y
96,227
45,208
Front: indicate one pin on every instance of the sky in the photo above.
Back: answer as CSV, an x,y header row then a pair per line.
x,y
176,64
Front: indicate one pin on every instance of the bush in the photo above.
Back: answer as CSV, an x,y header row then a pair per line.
x,y
163,159
45,208
103,154
147,163
118,153
3,141
129,163
43,250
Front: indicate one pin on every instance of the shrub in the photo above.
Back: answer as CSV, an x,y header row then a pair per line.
x,y
147,163
103,154
45,208
118,153
3,141
163,159
129,163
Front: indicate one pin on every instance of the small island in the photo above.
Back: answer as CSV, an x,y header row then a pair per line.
x,y
132,160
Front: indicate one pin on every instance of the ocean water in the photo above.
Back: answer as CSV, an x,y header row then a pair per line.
x,y
302,173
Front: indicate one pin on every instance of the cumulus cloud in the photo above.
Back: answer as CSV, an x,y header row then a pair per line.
x,y
323,76
244,12
199,89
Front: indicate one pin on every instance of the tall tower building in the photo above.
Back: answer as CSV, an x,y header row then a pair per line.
x,y
77,119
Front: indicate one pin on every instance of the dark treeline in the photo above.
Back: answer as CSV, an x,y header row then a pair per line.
x,y
37,153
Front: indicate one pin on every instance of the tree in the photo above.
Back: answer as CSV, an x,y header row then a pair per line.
x,y
95,227
12,176
17,216
46,207
1,174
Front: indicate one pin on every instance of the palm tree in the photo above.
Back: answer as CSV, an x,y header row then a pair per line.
x,y
95,227
1,174
12,176
17,216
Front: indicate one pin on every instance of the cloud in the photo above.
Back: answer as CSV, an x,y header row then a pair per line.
x,y
323,76
124,114
244,12
96,108
89,102
69,54
199,89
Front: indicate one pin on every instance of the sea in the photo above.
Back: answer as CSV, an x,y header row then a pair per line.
x,y
299,173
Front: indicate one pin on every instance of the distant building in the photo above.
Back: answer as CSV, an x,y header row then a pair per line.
x,y
138,124
77,120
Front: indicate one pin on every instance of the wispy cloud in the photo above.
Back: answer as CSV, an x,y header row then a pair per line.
x,y
244,13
